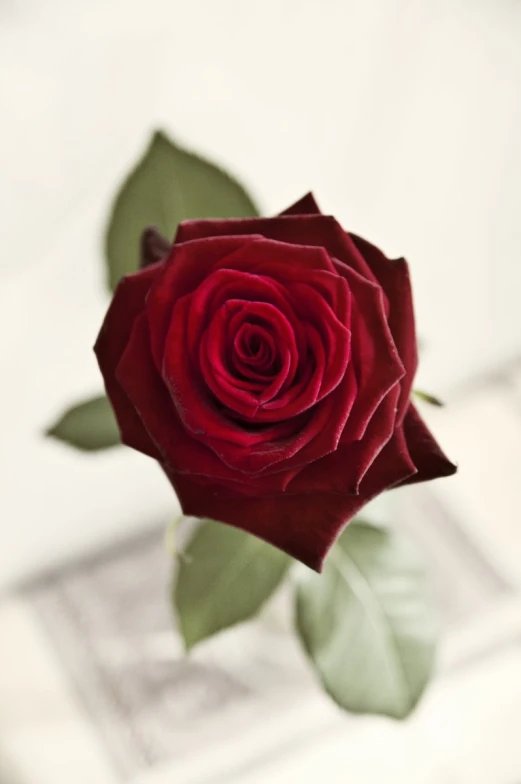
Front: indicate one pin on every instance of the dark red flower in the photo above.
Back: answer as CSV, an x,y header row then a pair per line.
x,y
267,364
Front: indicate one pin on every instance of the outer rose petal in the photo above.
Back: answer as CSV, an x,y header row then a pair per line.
x,y
343,471
305,526
304,206
427,456
378,364
128,302
323,231
393,276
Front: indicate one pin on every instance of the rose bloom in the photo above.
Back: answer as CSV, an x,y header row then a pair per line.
x,y
267,365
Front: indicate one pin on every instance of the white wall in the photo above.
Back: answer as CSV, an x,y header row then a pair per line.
x,y
403,116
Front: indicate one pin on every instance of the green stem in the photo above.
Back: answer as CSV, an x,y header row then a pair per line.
x,y
170,536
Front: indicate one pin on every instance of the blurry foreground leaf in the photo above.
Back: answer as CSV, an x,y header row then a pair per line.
x,y
224,578
367,624
168,185
89,425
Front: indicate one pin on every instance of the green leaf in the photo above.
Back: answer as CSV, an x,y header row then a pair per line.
x,y
367,624
168,185
428,398
89,425
224,578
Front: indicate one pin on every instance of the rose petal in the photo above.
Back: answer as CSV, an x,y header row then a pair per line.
x,y
305,526
342,471
335,336
219,288
282,260
321,231
179,452
317,436
289,445
223,383
430,461
195,405
198,410
394,278
181,272
378,365
290,265
304,206
150,398
128,302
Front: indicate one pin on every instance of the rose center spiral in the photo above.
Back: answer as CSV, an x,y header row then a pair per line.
x,y
255,351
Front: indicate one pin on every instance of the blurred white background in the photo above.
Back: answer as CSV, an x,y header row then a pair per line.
x,y
403,116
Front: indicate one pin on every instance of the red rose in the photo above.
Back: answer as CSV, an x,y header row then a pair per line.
x,y
267,364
